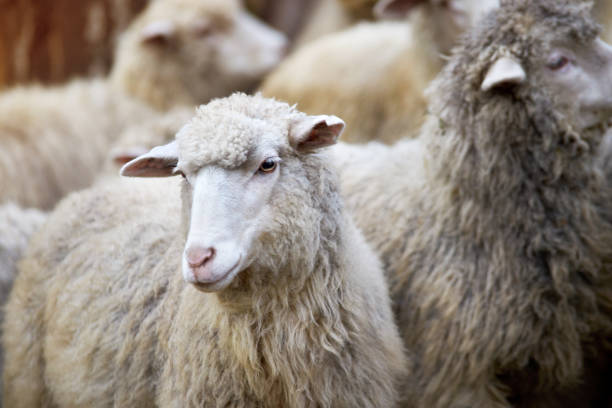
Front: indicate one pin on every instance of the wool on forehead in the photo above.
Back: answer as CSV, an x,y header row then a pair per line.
x,y
224,131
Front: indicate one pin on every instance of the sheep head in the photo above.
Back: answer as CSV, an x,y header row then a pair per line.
x,y
195,50
539,66
243,162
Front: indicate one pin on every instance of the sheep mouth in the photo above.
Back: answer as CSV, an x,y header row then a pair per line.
x,y
221,282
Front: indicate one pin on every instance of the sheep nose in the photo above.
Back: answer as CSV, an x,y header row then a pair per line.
x,y
198,256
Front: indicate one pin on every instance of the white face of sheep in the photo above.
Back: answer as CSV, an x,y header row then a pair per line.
x,y
578,75
230,207
234,49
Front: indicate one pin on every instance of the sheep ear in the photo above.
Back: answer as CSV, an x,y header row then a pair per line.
x,y
122,155
505,71
158,32
313,132
159,162
394,9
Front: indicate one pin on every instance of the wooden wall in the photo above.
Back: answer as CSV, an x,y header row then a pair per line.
x,y
50,41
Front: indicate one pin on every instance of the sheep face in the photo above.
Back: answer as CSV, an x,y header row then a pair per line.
x,y
236,47
578,74
205,49
233,165
582,75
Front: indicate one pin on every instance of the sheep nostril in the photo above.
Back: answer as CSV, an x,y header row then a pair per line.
x,y
197,256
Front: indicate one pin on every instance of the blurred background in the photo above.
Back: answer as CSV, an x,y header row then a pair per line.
x,y
49,41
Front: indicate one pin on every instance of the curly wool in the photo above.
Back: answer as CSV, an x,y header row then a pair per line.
x,y
202,142
307,323
499,244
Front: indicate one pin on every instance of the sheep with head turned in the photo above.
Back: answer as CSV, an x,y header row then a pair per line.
x,y
494,226
295,310
374,75
186,52
54,140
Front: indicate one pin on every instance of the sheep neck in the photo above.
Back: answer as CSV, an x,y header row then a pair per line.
x,y
543,198
269,320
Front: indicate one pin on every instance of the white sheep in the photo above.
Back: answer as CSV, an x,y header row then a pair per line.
x,y
494,226
186,52
374,75
54,140
295,310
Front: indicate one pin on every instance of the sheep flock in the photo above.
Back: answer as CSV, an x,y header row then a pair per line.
x,y
312,203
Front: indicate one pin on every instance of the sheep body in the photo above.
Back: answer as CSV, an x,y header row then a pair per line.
x,y
494,228
54,140
307,323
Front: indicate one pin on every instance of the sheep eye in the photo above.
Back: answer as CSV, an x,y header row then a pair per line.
x,y
557,63
268,166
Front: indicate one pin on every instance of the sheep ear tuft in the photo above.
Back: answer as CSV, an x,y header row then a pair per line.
x,y
394,9
505,71
158,32
161,161
313,132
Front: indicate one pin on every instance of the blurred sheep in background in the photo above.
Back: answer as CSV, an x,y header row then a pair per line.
x,y
374,74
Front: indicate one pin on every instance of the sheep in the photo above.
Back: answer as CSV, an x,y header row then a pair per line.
x,y
374,75
55,140
297,311
201,49
494,225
